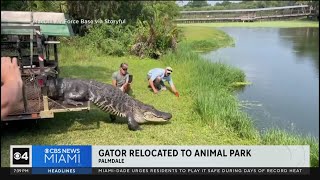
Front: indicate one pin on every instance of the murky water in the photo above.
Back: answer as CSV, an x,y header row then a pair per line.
x,y
283,66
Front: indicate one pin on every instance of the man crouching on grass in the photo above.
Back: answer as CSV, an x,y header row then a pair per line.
x,y
120,79
156,78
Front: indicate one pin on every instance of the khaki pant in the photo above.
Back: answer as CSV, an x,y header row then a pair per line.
x,y
158,83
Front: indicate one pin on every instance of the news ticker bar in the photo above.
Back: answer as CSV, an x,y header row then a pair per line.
x,y
203,160
76,156
162,171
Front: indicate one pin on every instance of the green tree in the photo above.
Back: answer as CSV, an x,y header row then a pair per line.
x,y
199,3
164,8
12,5
155,35
225,3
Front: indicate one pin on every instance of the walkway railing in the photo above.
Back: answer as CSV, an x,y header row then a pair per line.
x,y
246,14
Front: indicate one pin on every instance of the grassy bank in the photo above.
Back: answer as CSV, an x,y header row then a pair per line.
x,y
211,86
203,39
273,24
206,113
218,103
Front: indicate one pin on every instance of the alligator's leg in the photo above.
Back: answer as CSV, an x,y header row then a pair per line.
x,y
74,98
72,102
112,117
132,123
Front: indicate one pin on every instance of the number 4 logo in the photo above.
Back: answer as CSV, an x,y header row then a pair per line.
x,y
17,155
25,156
20,156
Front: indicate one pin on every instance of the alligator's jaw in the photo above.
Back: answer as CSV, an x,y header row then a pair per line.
x,y
156,120
149,117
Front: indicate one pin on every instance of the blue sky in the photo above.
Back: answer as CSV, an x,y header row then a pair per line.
x,y
182,3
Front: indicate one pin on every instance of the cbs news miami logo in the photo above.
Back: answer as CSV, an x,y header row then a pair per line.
x,y
50,156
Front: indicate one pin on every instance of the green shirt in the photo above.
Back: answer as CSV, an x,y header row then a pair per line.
x,y
120,79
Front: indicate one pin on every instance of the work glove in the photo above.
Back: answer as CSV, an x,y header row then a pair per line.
x,y
177,94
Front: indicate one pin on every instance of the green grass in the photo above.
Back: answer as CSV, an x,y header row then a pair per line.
x,y
206,113
94,127
215,102
275,24
203,39
278,137
211,86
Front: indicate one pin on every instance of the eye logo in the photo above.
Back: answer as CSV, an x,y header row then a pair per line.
x,y
17,156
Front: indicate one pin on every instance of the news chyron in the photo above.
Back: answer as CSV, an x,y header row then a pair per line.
x,y
27,159
161,159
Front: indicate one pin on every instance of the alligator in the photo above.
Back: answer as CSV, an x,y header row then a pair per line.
x,y
107,98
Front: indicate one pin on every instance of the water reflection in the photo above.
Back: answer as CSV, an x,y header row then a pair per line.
x,y
304,41
283,66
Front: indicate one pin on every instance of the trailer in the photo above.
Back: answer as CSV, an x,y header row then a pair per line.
x,y
32,37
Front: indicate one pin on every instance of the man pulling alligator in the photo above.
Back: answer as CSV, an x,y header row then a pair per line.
x,y
107,98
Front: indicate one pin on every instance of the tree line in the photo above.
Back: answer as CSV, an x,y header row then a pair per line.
x,y
149,29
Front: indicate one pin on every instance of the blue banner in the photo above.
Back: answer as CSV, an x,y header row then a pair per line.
x,y
62,156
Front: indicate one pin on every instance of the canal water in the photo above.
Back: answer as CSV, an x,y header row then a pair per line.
x,y
283,66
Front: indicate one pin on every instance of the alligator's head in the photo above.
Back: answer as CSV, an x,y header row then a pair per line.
x,y
146,113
